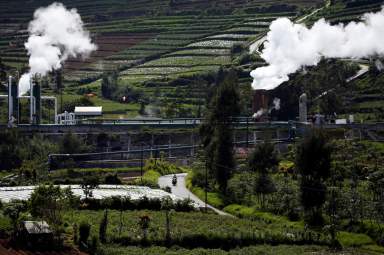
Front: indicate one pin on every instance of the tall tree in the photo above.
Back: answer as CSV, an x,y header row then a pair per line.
x,y
262,161
216,131
109,85
49,203
10,150
313,161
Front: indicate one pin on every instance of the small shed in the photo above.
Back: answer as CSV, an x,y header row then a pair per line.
x,y
86,111
36,233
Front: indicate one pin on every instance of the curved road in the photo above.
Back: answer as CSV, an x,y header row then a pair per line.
x,y
181,190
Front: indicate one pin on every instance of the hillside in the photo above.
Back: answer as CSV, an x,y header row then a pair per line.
x,y
166,53
151,43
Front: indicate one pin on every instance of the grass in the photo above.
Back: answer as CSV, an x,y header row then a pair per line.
x,y
213,198
250,213
150,178
58,173
254,250
352,239
189,230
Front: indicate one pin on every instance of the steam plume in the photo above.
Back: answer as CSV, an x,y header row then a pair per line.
x,y
262,111
55,34
291,46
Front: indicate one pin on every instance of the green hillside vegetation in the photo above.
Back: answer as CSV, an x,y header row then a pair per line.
x,y
154,45
166,56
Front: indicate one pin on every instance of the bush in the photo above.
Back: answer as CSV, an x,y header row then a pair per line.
x,y
214,198
84,231
125,203
112,179
240,188
161,166
355,240
149,179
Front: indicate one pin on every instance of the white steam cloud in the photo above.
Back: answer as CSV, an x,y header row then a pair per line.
x,y
291,46
55,34
261,112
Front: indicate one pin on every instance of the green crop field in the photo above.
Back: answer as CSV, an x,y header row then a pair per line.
x,y
150,41
165,50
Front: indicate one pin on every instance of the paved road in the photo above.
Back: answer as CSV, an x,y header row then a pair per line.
x,y
181,190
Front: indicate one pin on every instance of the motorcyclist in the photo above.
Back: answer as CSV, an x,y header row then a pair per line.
x,y
174,180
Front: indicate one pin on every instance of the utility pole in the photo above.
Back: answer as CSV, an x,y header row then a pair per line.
x,y
247,132
206,186
141,162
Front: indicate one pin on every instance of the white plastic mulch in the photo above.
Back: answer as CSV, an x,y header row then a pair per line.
x,y
134,192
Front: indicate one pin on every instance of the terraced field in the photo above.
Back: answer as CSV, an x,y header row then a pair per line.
x,y
152,41
363,97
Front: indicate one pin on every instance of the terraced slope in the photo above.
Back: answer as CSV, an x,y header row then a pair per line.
x,y
151,42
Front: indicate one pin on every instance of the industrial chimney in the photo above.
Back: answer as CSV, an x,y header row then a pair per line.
x,y
13,101
35,101
303,108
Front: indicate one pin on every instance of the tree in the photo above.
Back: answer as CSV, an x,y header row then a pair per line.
x,y
89,183
48,202
84,231
216,131
262,161
71,144
109,85
103,227
240,188
166,206
13,211
10,150
330,103
144,221
313,160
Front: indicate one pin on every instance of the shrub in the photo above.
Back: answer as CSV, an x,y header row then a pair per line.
x,y
112,179
149,179
351,239
84,231
161,166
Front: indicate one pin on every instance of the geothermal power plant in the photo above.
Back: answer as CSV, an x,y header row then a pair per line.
x,y
35,101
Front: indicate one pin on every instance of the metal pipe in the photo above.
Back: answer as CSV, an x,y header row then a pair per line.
x,y
43,98
31,103
10,99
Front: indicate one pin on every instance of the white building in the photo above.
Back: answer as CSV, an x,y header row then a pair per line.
x,y
88,111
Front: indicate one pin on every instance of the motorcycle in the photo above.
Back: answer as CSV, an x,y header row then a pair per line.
x,y
174,180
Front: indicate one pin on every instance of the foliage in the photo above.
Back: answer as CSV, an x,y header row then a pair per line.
x,y
215,132
112,179
84,231
191,230
250,250
109,85
124,203
241,188
162,166
71,144
10,150
49,203
149,179
314,163
69,106
88,184
262,161
166,206
349,239
13,211
103,227
330,103
214,199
